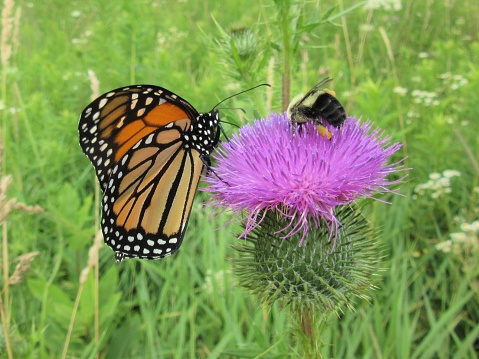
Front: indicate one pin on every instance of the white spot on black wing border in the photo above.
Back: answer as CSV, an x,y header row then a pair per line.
x,y
147,248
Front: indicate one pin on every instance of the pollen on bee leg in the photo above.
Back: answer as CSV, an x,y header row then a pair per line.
x,y
323,131
331,92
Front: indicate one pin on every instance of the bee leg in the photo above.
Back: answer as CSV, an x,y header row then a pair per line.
x,y
297,127
323,131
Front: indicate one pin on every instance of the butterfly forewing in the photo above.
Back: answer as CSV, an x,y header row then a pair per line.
x,y
117,120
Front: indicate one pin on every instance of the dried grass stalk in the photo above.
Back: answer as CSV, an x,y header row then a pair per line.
x,y
22,267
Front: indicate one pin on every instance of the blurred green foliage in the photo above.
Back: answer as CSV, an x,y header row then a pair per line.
x,y
413,72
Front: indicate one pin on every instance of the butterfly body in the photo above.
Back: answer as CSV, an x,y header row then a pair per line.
x,y
148,147
318,106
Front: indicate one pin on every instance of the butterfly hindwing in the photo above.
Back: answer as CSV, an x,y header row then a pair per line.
x,y
145,215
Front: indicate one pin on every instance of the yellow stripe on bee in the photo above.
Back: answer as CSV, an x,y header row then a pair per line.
x,y
331,92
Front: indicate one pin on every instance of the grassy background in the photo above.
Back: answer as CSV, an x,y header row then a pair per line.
x,y
188,306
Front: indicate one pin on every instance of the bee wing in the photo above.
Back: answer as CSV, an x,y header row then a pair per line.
x,y
313,90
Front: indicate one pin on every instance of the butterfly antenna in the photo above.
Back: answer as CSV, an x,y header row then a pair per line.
x,y
239,93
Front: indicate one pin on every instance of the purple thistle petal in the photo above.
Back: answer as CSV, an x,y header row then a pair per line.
x,y
299,173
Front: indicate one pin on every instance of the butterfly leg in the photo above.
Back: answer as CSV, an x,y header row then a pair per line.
x,y
224,133
207,162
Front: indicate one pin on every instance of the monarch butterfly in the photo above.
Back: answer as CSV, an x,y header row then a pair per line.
x,y
148,147
317,106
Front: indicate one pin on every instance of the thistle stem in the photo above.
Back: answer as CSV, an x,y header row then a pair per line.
x,y
310,328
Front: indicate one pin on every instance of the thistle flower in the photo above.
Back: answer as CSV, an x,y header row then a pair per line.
x,y
292,180
274,166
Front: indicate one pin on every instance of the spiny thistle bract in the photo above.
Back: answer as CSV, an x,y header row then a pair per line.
x,y
311,277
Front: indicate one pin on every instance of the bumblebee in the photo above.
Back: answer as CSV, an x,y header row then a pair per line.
x,y
317,106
